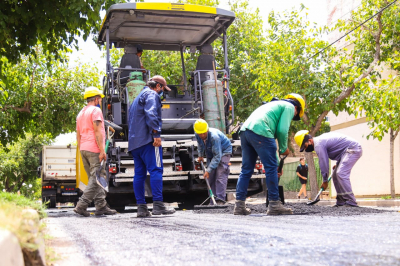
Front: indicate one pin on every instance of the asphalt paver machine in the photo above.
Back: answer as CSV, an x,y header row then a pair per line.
x,y
203,94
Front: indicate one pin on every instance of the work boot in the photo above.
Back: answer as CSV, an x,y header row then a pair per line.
x,y
105,210
240,208
81,209
142,211
159,208
276,208
220,202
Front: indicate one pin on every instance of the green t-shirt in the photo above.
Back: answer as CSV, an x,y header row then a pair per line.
x,y
272,120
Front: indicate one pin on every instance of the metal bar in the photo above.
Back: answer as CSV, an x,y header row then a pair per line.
x,y
183,68
226,53
108,49
201,94
212,33
164,24
233,106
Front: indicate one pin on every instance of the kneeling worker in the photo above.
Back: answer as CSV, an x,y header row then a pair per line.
x,y
257,136
335,146
218,149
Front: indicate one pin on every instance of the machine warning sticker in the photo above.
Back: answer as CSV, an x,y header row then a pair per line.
x,y
166,106
71,161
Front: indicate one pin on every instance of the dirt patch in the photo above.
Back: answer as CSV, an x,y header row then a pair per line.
x,y
300,209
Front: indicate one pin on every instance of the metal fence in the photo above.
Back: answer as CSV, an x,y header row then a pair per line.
x,y
290,180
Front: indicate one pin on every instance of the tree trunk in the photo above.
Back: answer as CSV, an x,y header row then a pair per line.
x,y
392,188
312,174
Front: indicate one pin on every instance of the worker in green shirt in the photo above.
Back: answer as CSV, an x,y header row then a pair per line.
x,y
257,135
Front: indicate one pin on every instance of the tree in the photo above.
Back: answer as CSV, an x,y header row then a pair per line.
x,y
378,41
326,81
381,105
53,24
41,100
18,168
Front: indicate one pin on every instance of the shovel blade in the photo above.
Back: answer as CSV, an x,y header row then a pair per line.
x,y
313,202
102,182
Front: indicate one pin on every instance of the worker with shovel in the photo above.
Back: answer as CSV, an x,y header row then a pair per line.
x,y
90,135
144,144
257,135
214,145
341,148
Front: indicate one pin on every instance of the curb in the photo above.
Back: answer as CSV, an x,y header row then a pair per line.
x,y
10,250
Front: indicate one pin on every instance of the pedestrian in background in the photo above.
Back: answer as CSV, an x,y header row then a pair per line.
x,y
214,145
90,135
302,173
144,144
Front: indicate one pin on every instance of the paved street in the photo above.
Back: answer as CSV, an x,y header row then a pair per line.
x,y
189,238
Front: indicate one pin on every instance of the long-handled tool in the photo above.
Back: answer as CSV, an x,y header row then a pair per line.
x,y
102,181
317,198
280,188
211,197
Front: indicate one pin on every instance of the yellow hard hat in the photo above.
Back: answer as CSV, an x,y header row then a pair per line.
x,y
300,99
200,126
92,91
299,138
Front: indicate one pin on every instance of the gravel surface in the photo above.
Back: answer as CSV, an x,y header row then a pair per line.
x,y
298,209
190,238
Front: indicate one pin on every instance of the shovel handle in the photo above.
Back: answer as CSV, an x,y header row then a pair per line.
x,y
208,185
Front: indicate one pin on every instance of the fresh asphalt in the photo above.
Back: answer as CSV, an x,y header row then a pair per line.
x,y
190,238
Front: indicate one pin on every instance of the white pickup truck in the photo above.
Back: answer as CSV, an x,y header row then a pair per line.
x,y
58,173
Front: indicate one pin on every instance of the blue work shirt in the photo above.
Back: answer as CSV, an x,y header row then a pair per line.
x,y
332,146
144,117
216,146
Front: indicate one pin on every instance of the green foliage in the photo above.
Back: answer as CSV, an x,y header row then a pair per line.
x,y
379,99
41,100
21,201
54,24
18,167
245,43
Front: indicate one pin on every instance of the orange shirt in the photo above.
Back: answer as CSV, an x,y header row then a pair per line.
x,y
84,123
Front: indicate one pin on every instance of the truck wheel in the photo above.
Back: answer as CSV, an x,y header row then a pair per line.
x,y
52,203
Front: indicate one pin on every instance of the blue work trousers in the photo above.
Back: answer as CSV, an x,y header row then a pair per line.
x,y
148,158
254,145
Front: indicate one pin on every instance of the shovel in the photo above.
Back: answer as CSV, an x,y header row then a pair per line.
x,y
102,181
211,197
317,198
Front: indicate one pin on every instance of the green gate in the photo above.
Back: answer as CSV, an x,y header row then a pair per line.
x,y
290,180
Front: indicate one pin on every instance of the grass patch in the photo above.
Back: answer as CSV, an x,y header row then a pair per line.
x,y
23,202
17,216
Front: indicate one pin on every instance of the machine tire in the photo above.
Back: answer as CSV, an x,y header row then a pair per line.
x,y
52,203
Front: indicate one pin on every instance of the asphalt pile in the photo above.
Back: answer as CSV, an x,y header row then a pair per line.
x,y
299,209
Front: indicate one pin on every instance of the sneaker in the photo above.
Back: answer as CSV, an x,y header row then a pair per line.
x,y
298,197
305,197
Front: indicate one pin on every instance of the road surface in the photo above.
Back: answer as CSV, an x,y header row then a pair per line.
x,y
189,238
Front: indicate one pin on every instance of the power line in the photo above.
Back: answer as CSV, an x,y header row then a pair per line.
x,y
380,11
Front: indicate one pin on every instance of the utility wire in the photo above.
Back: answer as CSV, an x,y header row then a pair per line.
x,y
380,11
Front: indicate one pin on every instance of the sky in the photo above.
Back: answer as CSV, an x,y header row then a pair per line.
x,y
90,53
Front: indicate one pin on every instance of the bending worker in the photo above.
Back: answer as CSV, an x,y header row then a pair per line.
x,y
335,146
218,149
90,135
144,144
257,136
